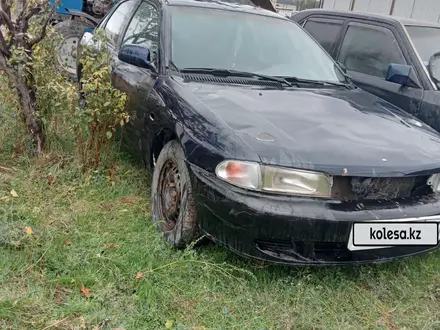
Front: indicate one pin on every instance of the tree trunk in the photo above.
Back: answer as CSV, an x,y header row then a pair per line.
x,y
27,100
20,72
28,103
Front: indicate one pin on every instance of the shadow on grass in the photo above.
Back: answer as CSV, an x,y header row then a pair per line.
x,y
354,273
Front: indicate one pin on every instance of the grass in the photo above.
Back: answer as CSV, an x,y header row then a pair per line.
x,y
79,251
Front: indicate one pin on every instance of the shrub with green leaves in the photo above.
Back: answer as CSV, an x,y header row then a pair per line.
x,y
104,107
87,132
57,98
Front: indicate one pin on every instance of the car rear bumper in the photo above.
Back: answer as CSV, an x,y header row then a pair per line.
x,y
297,231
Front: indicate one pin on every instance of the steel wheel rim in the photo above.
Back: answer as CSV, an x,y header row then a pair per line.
x,y
67,54
169,195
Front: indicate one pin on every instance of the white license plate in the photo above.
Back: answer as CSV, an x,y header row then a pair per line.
x,y
381,234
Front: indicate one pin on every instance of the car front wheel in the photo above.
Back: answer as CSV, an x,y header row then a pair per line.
x,y
173,205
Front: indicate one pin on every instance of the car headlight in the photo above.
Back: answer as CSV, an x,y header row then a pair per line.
x,y
254,176
434,182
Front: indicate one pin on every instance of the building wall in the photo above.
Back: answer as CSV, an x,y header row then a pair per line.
x,y
285,9
336,4
373,6
426,10
404,8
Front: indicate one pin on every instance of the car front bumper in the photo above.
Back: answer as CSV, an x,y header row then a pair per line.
x,y
297,231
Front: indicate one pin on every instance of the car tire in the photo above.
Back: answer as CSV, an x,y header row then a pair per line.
x,y
173,206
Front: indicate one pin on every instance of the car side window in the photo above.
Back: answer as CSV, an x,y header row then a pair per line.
x,y
143,29
370,50
104,20
115,23
324,30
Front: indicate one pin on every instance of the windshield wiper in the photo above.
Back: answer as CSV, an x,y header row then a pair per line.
x,y
314,82
236,73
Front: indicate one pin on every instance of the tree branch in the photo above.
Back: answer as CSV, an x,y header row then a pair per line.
x,y
32,12
6,6
3,46
4,18
44,27
3,64
20,7
26,15
24,21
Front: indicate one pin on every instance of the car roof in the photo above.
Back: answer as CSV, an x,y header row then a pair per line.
x,y
373,16
253,7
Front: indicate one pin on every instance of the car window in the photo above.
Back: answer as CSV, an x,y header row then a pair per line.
x,y
225,39
104,20
115,23
325,31
144,29
370,50
426,40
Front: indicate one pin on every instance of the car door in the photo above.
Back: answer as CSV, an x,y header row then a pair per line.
x,y
138,82
366,51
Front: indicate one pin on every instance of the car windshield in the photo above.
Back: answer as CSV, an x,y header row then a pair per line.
x,y
230,40
426,40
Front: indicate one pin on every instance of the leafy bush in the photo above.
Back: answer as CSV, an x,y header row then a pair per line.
x,y
57,98
13,136
104,107
87,132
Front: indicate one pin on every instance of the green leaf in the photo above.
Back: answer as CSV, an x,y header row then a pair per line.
x,y
109,135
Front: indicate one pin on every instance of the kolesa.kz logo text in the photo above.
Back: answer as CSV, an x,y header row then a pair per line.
x,y
412,234
388,234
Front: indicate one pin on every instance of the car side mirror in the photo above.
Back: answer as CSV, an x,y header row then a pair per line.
x,y
136,55
401,74
87,41
87,38
434,67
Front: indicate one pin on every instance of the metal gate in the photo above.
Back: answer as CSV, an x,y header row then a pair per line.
x,y
424,10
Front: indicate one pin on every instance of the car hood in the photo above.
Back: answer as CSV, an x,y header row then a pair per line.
x,y
333,130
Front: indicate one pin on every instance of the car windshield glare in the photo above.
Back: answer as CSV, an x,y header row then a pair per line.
x,y
426,40
230,40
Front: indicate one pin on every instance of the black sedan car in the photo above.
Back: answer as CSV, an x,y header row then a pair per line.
x,y
257,139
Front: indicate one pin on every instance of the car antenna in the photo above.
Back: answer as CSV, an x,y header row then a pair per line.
x,y
172,66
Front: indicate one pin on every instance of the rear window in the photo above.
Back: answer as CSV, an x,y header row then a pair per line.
x,y
325,31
